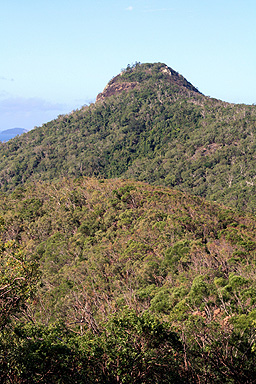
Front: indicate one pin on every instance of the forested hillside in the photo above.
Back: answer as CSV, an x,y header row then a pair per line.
x,y
128,240
152,125
119,281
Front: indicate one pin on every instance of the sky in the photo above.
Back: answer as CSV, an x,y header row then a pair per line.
x,y
57,55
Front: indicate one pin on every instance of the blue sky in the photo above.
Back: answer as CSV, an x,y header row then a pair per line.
x,y
57,55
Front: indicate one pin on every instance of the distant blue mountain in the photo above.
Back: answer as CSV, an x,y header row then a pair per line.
x,y
11,133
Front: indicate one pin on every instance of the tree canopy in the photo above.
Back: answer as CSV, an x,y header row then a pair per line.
x,y
149,124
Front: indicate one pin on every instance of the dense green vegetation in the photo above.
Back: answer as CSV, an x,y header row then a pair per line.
x,y
107,275
125,282
149,124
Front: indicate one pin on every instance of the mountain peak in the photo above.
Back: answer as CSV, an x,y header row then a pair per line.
x,y
137,74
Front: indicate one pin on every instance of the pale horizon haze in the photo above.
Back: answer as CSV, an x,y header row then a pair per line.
x,y
57,56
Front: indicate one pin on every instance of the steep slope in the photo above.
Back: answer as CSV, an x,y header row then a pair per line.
x,y
135,75
148,124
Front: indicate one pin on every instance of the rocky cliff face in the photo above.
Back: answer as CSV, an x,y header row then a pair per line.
x,y
138,74
114,88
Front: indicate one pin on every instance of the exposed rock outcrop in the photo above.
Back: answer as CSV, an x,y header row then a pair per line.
x,y
114,88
